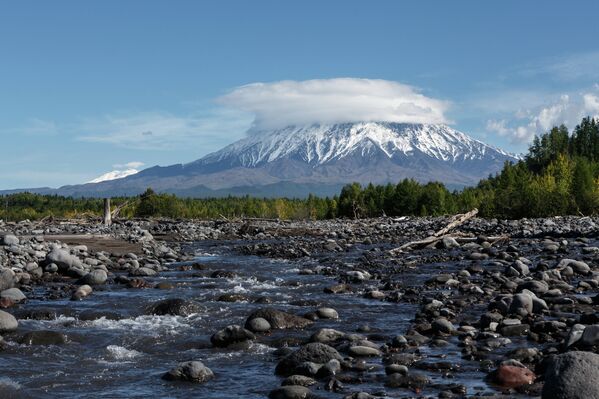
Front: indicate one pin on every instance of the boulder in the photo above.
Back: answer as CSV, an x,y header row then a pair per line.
x,y
9,239
81,292
510,376
258,325
14,294
63,259
174,307
7,322
279,319
95,277
572,375
193,371
231,335
290,392
313,352
7,279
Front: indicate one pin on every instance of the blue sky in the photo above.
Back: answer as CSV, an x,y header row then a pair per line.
x,y
88,87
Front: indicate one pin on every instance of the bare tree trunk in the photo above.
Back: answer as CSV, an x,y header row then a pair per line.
x,y
107,216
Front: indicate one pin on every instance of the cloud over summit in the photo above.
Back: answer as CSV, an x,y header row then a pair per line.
x,y
289,102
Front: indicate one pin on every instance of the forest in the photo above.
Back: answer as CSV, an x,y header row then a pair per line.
x,y
558,176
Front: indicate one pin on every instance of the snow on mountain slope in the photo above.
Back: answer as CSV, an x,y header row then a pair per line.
x,y
323,144
115,174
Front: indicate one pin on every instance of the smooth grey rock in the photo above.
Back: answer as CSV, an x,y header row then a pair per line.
x,y
279,319
81,292
590,336
7,322
290,392
63,259
361,350
95,277
7,279
258,325
327,335
231,335
572,375
14,294
193,371
10,239
313,352
327,313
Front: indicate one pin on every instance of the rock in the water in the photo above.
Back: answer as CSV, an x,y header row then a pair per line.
x,y
7,322
63,259
231,335
299,380
290,392
512,376
95,277
410,380
360,350
327,335
193,371
279,319
174,307
572,375
258,325
14,294
442,325
590,336
314,352
43,338
327,313
81,292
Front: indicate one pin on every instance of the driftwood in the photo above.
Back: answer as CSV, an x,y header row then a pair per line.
x,y
119,208
107,220
458,220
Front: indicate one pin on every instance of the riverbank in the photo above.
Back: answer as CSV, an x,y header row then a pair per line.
x,y
325,308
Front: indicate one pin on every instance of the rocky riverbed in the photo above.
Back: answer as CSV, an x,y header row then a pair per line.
x,y
254,308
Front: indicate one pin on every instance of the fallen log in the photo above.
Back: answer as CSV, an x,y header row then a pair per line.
x,y
458,220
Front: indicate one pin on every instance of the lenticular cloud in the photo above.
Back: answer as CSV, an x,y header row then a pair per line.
x,y
285,103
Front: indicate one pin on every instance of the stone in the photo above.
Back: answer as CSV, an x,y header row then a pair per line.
x,y
513,376
231,335
577,266
14,294
95,277
81,292
521,304
360,350
8,322
7,279
258,325
299,380
442,325
279,319
174,307
572,375
143,272
43,337
313,352
193,371
410,380
327,335
290,392
10,239
590,336
327,313
63,259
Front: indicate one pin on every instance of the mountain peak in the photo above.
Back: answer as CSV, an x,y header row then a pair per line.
x,y
319,144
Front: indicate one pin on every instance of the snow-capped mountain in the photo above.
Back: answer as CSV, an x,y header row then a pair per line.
x,y
320,159
115,174
322,144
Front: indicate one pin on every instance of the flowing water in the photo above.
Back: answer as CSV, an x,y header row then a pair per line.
x,y
116,350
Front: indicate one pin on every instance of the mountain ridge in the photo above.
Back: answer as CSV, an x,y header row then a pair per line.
x,y
315,158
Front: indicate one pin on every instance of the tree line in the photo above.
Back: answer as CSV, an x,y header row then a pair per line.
x,y
558,176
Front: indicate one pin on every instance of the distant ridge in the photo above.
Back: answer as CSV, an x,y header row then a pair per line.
x,y
320,159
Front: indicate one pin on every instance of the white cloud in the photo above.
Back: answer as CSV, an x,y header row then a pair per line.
x,y
165,131
285,103
129,165
566,67
568,109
